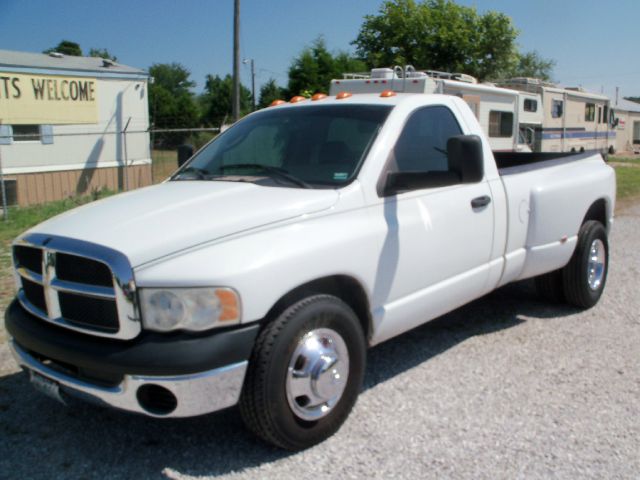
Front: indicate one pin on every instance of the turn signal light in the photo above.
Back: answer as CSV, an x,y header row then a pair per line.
x,y
388,93
342,95
297,98
275,103
319,96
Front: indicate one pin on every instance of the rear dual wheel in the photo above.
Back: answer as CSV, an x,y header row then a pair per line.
x,y
581,282
305,373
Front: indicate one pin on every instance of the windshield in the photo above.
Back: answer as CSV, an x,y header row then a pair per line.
x,y
307,147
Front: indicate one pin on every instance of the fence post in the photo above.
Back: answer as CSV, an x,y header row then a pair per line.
x,y
5,213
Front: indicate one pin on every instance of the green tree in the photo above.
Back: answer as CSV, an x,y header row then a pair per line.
x,y
269,92
531,64
171,102
438,35
312,70
215,102
102,53
66,47
633,99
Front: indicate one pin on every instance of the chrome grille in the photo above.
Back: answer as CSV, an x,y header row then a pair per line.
x,y
77,285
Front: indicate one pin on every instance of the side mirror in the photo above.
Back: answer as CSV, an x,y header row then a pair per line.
x,y
466,158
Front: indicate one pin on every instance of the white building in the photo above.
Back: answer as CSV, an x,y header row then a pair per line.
x,y
628,129
71,125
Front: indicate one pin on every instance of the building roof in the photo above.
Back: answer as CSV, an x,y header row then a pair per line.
x,y
627,105
29,60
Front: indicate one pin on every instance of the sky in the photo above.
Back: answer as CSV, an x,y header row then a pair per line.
x,y
595,44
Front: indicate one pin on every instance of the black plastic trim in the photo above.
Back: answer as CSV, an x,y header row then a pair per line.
x,y
148,354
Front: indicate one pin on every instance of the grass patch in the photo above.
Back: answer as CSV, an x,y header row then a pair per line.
x,y
628,179
631,160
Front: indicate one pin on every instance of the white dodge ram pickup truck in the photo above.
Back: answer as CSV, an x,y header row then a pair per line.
x,y
261,271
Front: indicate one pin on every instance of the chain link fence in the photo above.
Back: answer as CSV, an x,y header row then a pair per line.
x,y
168,146
42,165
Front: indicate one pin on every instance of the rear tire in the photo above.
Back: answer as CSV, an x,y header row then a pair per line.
x,y
585,275
320,341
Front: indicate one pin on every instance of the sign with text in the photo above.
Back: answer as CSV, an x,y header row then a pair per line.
x,y
47,99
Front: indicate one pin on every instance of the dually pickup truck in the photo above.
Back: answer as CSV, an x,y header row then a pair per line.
x,y
260,272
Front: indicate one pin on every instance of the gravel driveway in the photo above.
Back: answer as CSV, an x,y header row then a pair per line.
x,y
506,387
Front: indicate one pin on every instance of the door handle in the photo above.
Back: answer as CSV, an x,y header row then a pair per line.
x,y
480,202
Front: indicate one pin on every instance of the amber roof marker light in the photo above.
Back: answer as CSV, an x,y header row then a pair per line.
x,y
388,93
297,98
343,95
275,103
318,96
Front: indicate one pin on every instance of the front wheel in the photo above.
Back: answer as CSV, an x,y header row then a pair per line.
x,y
305,373
585,275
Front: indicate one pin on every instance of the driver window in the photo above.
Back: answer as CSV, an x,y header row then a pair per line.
x,y
422,145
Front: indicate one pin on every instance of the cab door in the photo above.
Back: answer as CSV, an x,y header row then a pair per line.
x,y
443,235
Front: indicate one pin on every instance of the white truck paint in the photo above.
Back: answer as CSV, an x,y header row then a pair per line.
x,y
414,254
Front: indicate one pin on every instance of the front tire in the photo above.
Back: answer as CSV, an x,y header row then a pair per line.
x,y
305,373
585,275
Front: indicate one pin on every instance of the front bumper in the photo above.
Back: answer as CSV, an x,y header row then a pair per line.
x,y
194,394
176,375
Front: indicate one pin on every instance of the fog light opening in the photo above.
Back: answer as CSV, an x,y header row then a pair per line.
x,y
156,400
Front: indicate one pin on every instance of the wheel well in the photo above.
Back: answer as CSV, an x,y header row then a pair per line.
x,y
346,288
598,211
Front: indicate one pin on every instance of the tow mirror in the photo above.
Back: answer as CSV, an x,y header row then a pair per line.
x,y
465,156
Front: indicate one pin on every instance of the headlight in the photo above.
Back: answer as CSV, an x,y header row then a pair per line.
x,y
188,308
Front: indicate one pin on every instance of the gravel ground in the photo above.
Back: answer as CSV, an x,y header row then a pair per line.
x,y
506,387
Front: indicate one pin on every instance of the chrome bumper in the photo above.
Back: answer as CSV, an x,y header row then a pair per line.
x,y
196,394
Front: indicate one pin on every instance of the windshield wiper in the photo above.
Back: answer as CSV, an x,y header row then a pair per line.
x,y
199,173
280,172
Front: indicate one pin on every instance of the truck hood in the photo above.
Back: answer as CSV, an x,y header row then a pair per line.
x,y
152,222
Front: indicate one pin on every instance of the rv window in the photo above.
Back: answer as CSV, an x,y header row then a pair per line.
x,y
556,108
530,105
26,133
500,124
605,114
589,112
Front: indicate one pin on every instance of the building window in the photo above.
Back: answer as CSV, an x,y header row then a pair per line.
x,y
500,124
530,105
556,108
589,112
26,133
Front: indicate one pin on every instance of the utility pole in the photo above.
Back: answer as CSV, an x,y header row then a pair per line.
x,y
236,61
617,92
253,81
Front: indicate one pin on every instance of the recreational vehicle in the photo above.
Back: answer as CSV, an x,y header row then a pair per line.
x,y
495,108
571,120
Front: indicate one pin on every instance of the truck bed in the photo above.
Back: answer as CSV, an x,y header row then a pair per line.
x,y
547,196
516,159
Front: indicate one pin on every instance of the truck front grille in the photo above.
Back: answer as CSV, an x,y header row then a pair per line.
x,y
34,293
82,270
92,313
77,285
28,258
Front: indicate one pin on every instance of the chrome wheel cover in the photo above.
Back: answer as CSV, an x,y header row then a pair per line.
x,y
597,264
317,374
